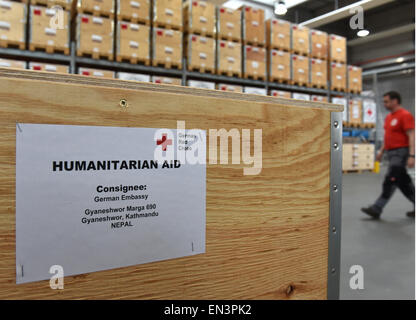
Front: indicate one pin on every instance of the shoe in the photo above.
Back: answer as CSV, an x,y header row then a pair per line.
x,y
411,214
371,212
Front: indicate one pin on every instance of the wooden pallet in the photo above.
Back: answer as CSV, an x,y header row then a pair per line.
x,y
300,84
95,55
96,13
133,60
229,73
318,58
278,80
354,91
167,64
49,49
167,26
229,39
318,86
368,125
274,47
49,4
353,125
357,171
254,43
206,34
336,61
255,77
12,44
138,20
201,69
338,89
298,53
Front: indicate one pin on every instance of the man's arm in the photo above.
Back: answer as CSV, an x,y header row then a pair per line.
x,y
411,160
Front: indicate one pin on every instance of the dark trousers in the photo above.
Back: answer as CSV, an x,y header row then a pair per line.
x,y
396,177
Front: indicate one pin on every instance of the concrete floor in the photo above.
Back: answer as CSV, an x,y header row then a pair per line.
x,y
385,248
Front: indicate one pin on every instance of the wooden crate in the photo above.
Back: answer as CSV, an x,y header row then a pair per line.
x,y
167,48
358,157
319,73
337,48
167,80
279,66
136,11
100,8
255,62
281,94
199,17
49,67
44,38
355,112
96,73
12,24
319,44
229,24
168,14
300,40
300,70
355,81
338,77
230,87
200,53
318,98
254,26
94,37
133,43
9,63
278,34
229,58
273,245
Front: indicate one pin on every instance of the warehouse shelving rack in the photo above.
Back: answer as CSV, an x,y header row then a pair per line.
x,y
73,61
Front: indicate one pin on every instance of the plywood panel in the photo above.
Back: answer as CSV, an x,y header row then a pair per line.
x,y
264,233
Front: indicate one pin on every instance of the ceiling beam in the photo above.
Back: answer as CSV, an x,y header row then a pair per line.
x,y
342,13
382,35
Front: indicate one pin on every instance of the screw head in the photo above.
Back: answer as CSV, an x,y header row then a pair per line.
x,y
334,230
336,124
123,103
335,187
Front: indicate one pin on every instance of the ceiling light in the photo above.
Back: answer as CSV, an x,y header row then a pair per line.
x,y
400,60
363,33
280,8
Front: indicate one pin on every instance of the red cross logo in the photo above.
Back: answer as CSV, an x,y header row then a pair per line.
x,y
165,142
369,112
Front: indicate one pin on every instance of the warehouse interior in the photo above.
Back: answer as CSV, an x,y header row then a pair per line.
x,y
163,42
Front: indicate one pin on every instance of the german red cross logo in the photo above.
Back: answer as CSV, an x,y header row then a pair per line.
x,y
164,142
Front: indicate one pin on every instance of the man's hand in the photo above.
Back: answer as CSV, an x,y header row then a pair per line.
x,y
379,155
411,162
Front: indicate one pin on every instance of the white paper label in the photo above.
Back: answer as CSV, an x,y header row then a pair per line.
x,y
50,31
97,20
134,44
51,68
96,38
369,111
4,25
135,4
168,12
230,25
106,205
255,64
168,50
202,55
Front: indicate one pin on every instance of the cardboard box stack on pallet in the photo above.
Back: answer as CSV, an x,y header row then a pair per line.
x,y
355,83
13,24
228,55
133,31
279,46
355,111
337,70
230,87
167,33
254,39
300,70
357,157
57,68
200,35
44,35
90,72
319,58
10,63
95,29
369,113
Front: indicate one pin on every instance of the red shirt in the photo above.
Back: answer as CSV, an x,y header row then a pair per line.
x,y
395,129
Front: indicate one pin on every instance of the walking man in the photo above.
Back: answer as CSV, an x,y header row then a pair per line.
x,y
399,145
